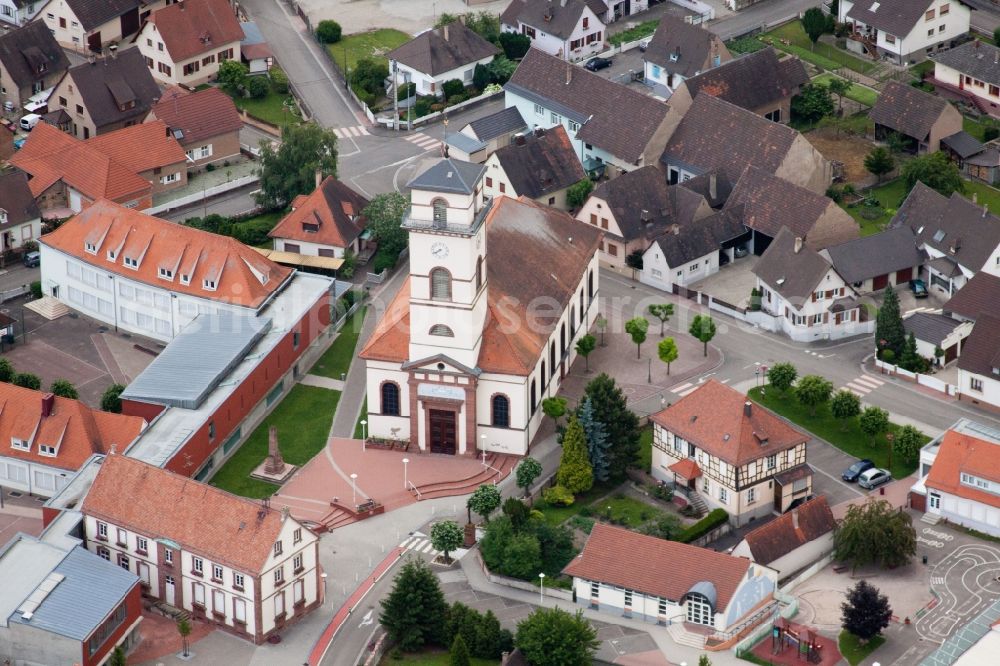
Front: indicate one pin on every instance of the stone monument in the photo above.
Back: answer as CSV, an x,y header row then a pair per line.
x,y
274,468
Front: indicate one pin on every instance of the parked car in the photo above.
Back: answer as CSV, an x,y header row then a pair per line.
x,y
29,121
33,259
919,288
874,477
852,473
741,251
597,63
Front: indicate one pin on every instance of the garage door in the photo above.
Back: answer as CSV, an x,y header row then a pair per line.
x,y
880,282
904,275
950,353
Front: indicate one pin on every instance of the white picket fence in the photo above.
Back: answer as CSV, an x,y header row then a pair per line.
x,y
201,195
923,380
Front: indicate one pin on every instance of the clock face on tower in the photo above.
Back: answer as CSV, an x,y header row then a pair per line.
x,y
439,250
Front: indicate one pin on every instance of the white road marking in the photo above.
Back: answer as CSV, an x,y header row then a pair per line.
x,y
678,389
367,620
859,388
864,379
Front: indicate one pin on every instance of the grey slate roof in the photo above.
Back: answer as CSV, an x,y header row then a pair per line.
x,y
954,226
27,50
441,50
644,194
981,350
897,17
106,79
964,144
90,590
449,175
497,124
94,13
870,256
907,110
16,198
980,60
980,294
465,142
591,100
683,243
555,17
197,359
714,185
931,328
753,81
792,274
542,164
682,48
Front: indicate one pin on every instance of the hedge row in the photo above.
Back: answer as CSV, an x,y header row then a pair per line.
x,y
715,518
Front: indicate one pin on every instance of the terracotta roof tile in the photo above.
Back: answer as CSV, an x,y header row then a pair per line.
x,y
713,417
686,468
194,27
787,532
958,453
140,147
199,254
223,528
330,215
76,430
201,115
669,569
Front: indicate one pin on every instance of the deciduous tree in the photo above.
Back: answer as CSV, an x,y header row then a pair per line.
x,y
184,629
575,473
663,312
7,371
27,380
514,44
484,501
554,408
812,391
602,325
866,612
879,162
412,614
578,192
553,637
290,169
845,405
873,421
621,424
527,471
814,23
584,346
812,103
111,400
327,32
64,389
703,329
637,328
874,532
667,351
781,376
446,537
385,213
908,442
935,171
839,87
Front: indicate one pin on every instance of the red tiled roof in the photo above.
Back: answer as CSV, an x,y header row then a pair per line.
x,y
960,453
332,211
76,430
200,115
713,418
242,276
686,468
668,569
140,147
784,534
194,27
224,528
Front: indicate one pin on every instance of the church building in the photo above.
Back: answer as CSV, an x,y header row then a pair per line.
x,y
486,324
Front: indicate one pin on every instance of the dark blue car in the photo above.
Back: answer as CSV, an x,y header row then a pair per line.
x,y
852,473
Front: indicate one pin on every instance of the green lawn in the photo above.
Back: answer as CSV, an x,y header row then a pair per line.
x,y
303,419
889,196
557,515
625,511
431,658
337,358
823,55
985,194
859,93
644,29
974,127
853,651
271,109
646,448
824,426
922,68
373,44
254,230
358,431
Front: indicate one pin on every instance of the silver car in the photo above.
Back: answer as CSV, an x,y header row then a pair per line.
x,y
874,477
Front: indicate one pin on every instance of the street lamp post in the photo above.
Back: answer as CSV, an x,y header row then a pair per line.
x,y
541,588
483,448
649,370
354,489
364,434
406,485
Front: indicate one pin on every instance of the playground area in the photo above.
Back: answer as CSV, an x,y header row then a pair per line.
x,y
791,643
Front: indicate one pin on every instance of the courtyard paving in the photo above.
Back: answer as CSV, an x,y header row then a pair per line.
x,y
732,283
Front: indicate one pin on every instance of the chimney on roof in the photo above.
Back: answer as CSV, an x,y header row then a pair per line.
x,y
319,178
644,216
712,185
519,139
747,408
798,244
569,73
446,32
675,229
285,513
795,518
539,131
48,402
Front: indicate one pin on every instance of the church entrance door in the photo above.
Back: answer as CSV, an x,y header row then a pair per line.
x,y
443,431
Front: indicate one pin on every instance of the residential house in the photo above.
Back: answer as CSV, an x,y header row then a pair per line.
x,y
248,569
451,52
327,223
494,131
958,476
51,437
903,31
20,219
540,165
979,363
63,605
920,118
567,29
981,294
705,588
106,94
793,541
872,263
721,450
184,43
20,12
976,160
93,25
443,372
714,134
757,82
128,166
548,92
803,293
30,62
635,208
254,49
769,204
610,11
679,51
150,276
205,123
937,331
959,237
687,253
970,72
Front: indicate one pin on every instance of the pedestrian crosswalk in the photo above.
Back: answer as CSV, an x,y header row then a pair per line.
x,y
927,310
348,132
683,389
937,581
421,140
863,385
419,544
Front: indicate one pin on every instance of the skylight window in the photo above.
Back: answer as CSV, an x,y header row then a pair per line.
x,y
939,236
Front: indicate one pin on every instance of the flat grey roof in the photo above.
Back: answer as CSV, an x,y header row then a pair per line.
x,y
929,327
197,359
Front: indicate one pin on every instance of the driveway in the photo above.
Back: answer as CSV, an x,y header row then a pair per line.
x,y
732,283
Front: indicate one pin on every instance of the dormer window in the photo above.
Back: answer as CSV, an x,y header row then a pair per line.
x,y
310,228
185,278
166,274
208,284
47,450
20,444
111,255
90,247
131,262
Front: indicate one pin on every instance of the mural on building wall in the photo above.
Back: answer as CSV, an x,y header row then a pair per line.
x,y
751,593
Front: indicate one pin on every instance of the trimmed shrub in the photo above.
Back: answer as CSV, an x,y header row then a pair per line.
x,y
328,32
257,86
452,87
279,80
714,519
36,289
558,496
406,91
